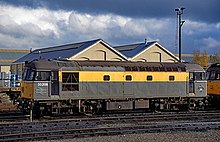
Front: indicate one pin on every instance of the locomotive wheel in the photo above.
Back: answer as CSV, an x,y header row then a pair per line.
x,y
192,104
90,109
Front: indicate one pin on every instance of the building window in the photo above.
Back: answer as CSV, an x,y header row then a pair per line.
x,y
128,77
106,77
171,78
149,78
70,81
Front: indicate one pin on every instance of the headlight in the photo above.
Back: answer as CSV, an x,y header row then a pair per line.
x,y
201,88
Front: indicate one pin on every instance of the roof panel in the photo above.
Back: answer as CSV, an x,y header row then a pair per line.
x,y
127,47
133,49
5,63
57,48
63,51
11,55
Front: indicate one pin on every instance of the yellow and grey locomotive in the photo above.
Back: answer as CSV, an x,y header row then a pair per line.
x,y
58,86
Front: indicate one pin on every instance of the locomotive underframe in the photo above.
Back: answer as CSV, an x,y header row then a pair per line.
x,y
92,106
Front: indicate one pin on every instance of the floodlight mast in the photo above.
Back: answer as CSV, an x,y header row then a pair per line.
x,y
179,12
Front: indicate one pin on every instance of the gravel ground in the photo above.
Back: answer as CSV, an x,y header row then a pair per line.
x,y
184,136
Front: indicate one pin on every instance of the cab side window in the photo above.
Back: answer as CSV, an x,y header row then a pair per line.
x,y
199,76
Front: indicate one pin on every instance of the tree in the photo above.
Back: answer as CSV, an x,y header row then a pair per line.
x,y
214,58
196,57
202,60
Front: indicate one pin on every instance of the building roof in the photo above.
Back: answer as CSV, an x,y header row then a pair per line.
x,y
133,49
63,51
9,56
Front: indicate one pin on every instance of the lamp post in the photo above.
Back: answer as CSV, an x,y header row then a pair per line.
x,y
179,12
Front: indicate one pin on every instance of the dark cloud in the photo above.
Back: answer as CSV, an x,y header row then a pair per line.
x,y
41,23
199,10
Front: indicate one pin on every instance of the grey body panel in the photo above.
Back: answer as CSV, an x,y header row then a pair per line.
x,y
200,88
42,90
131,90
120,90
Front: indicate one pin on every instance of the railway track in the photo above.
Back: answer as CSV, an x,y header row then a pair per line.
x,y
100,131
84,127
196,115
12,116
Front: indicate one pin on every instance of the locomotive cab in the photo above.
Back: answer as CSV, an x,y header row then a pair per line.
x,y
41,84
40,80
197,83
197,80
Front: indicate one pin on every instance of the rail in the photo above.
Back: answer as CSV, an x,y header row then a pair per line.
x,y
114,125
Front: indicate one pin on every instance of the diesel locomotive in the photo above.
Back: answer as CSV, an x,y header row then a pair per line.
x,y
52,86
213,83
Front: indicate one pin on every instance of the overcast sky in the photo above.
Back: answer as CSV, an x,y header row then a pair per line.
x,y
26,24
